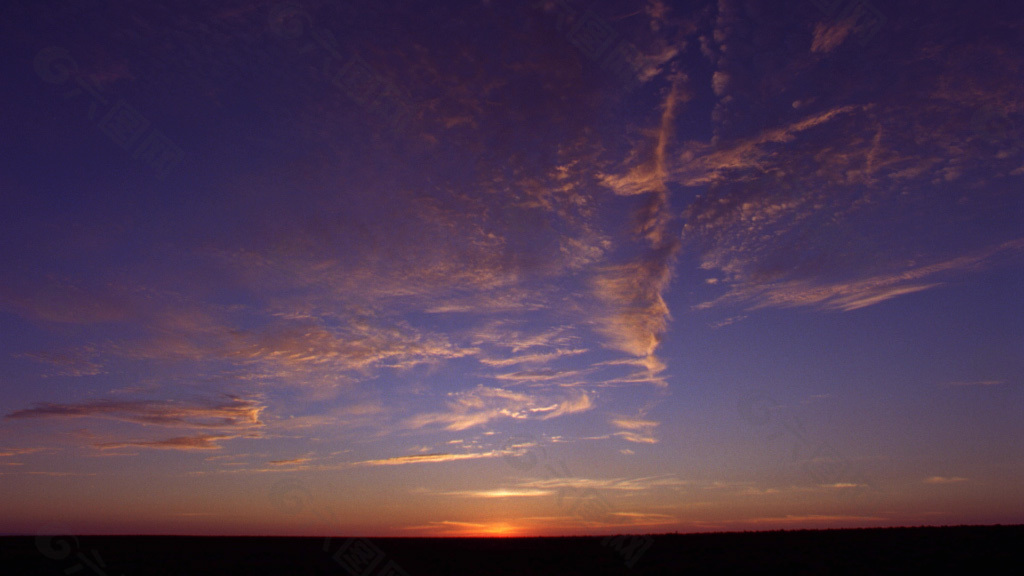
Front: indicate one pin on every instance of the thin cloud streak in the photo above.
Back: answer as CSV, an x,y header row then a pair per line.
x,y
426,459
235,413
849,296
181,443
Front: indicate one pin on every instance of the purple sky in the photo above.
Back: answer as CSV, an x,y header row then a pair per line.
x,y
487,267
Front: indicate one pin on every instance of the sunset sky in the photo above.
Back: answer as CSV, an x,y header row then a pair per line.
x,y
510,267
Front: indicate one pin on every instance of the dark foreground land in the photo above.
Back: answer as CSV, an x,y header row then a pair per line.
x,y
967,550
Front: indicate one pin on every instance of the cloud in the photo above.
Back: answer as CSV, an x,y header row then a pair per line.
x,y
727,322
182,443
233,412
980,383
634,423
357,345
644,518
476,407
291,462
8,452
859,293
794,519
636,430
501,493
580,403
614,484
426,458
482,404
823,199
466,529
726,161
944,480
651,369
637,314
538,358
504,335
66,302
538,375
720,82
68,363
639,438
829,35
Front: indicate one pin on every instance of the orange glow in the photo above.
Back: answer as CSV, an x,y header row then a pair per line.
x,y
500,529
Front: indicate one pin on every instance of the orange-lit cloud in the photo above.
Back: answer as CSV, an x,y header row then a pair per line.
x,y
231,413
425,458
502,493
944,480
829,35
859,293
482,404
184,443
636,430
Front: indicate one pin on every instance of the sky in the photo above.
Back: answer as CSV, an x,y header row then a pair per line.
x,y
509,268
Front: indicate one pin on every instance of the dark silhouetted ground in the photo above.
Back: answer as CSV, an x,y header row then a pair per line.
x,y
966,550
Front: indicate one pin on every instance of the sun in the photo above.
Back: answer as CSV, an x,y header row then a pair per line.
x,y
498,530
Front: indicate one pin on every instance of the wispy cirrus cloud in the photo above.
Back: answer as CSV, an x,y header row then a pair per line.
x,y
483,404
636,430
71,363
944,480
182,443
811,518
357,345
9,452
975,383
232,412
501,493
66,302
538,375
290,462
637,314
427,458
788,192
614,484
858,293
537,358
829,35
